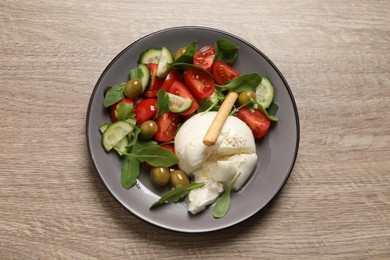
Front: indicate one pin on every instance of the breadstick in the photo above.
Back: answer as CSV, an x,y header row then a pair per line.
x,y
219,120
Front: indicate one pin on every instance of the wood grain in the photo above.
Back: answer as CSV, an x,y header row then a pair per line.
x,y
335,57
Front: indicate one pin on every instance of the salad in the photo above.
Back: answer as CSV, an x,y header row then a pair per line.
x,y
165,90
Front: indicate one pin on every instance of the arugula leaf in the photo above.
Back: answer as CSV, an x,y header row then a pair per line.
x,y
136,132
141,144
242,83
188,54
189,66
114,95
226,51
270,116
223,203
152,153
177,193
129,172
162,102
273,109
156,156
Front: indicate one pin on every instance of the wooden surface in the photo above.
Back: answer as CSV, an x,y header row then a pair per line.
x,y
335,56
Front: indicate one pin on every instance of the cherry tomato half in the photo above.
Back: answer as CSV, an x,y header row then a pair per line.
x,y
179,89
256,120
223,72
155,84
199,83
205,57
113,111
167,125
145,110
172,76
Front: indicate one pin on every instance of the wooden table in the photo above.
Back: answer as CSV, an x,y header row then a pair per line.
x,y
335,57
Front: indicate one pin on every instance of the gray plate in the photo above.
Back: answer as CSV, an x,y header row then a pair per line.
x,y
278,150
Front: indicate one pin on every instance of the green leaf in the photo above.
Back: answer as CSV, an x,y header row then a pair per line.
x,y
222,206
226,51
156,156
188,54
223,203
177,193
162,102
258,106
141,144
136,73
242,83
273,109
130,171
124,110
114,95
189,66
134,140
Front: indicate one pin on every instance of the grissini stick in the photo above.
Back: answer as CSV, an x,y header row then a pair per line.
x,y
215,128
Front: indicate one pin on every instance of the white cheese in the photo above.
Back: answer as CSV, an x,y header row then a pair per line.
x,y
234,151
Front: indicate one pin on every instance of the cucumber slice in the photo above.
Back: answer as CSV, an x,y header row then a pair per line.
x,y
115,133
146,78
151,55
121,146
142,73
163,64
103,127
131,121
178,104
265,93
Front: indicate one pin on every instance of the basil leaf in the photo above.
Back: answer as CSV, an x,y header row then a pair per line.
x,y
114,95
124,110
223,203
188,55
156,156
242,83
129,172
189,66
226,51
177,193
136,73
162,102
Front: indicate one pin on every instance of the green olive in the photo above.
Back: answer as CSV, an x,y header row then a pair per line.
x,y
178,177
246,96
179,52
160,175
148,129
133,88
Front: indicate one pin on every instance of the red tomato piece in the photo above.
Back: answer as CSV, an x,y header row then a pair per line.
x,y
155,84
145,110
113,108
169,147
172,76
256,120
179,89
223,72
167,125
205,57
199,83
